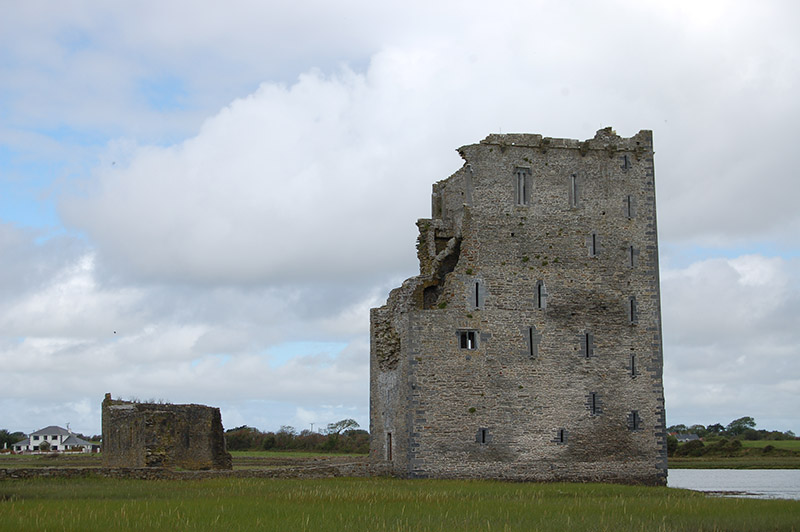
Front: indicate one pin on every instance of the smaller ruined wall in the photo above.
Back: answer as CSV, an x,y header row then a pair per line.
x,y
163,435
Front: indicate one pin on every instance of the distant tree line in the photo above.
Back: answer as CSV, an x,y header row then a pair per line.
x,y
341,437
743,428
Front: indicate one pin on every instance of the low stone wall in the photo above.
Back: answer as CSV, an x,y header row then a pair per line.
x,y
349,469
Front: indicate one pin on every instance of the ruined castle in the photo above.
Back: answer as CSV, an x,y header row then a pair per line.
x,y
529,347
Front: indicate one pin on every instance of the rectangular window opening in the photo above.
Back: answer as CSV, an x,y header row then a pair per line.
x,y
629,206
630,256
593,405
467,340
522,185
389,446
483,435
633,366
477,295
632,311
593,248
562,437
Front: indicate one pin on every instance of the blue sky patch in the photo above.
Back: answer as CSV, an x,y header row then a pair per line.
x,y
282,353
164,94
680,256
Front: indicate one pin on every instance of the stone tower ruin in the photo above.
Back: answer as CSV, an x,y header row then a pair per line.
x,y
529,346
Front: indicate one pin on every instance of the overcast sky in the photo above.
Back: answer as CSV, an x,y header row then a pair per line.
x,y
200,201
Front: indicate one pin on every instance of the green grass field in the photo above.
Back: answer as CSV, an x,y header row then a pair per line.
x,y
785,454
373,505
9,461
792,445
284,454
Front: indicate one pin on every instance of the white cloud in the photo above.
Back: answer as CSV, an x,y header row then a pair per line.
x,y
307,147
730,348
322,177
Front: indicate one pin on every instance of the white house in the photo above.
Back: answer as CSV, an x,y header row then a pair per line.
x,y
56,438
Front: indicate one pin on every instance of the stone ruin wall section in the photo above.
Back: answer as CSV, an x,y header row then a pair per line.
x,y
163,435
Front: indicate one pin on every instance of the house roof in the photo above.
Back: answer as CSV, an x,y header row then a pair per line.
x,y
71,440
74,440
51,430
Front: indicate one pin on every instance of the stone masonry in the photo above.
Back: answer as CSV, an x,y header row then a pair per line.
x,y
529,347
139,435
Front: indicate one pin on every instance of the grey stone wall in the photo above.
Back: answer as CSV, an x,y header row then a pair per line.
x,y
137,435
529,347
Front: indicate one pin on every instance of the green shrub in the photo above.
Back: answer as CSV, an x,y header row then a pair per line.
x,y
725,447
672,445
691,448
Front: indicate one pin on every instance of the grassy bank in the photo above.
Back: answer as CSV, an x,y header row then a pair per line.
x,y
374,505
737,462
738,454
789,445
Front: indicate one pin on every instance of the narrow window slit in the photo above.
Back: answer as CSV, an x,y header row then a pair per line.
x,y
532,338
530,342
587,344
540,295
574,190
634,420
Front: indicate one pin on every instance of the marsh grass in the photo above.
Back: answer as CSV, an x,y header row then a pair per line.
x,y
375,504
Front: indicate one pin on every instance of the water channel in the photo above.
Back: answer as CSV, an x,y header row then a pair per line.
x,y
751,483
